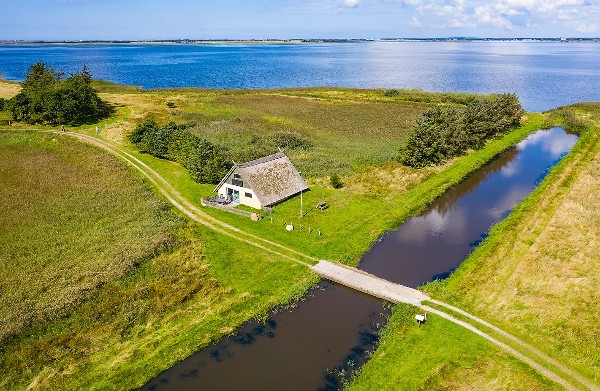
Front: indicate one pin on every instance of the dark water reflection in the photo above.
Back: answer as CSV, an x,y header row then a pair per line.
x,y
315,345
433,244
293,350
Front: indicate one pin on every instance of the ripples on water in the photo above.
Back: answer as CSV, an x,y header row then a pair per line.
x,y
544,74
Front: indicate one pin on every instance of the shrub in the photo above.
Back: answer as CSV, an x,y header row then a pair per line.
x,y
171,105
391,93
46,97
2,103
569,120
336,181
204,161
444,132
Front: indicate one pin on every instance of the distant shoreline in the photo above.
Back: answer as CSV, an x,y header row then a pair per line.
x,y
282,41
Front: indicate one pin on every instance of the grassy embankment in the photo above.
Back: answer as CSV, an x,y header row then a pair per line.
x,y
535,276
151,326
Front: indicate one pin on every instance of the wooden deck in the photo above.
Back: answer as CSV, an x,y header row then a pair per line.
x,y
369,284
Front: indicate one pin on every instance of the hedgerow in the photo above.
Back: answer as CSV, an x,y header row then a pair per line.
x,y
447,131
205,162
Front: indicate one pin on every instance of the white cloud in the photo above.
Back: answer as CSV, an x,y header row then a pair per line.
x,y
350,3
587,28
577,15
415,22
506,14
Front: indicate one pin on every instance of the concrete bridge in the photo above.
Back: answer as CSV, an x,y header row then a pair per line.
x,y
369,284
375,286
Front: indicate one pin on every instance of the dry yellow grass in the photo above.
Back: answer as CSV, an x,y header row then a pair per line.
x,y
541,280
389,180
490,373
8,89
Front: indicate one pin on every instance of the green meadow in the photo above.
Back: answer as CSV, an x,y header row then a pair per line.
x,y
106,285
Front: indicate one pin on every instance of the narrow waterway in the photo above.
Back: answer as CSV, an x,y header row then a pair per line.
x,y
327,335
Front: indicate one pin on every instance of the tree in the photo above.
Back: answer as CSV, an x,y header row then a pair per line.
x,y
46,97
449,131
205,162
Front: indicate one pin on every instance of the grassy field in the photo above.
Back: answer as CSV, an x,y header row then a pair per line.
x,y
535,276
8,89
102,285
179,296
441,355
349,129
76,222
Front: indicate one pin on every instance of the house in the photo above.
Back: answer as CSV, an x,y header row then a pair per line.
x,y
262,182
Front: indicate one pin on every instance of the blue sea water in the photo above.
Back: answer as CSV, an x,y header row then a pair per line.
x,y
544,74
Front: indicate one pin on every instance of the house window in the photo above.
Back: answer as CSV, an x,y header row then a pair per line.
x,y
237,182
248,195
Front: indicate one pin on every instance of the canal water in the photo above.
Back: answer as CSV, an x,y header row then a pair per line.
x,y
316,344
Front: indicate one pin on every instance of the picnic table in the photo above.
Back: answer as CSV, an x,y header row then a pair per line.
x,y
322,205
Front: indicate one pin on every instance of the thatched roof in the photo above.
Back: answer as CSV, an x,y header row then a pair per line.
x,y
273,178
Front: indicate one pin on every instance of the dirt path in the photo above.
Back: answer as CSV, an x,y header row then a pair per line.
x,y
194,213
523,344
527,360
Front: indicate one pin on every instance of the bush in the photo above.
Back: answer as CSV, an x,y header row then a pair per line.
x,y
2,103
391,93
569,120
290,140
46,97
444,132
171,105
336,181
204,161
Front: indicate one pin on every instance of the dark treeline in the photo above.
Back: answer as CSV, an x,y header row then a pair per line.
x,y
205,162
48,97
447,131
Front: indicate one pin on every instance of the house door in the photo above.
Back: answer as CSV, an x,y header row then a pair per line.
x,y
234,195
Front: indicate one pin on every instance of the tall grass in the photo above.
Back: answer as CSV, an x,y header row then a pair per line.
x,y
74,219
149,307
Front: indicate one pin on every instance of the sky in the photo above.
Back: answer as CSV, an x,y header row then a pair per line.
x,y
289,19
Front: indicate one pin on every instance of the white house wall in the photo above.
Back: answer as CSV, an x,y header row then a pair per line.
x,y
252,202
